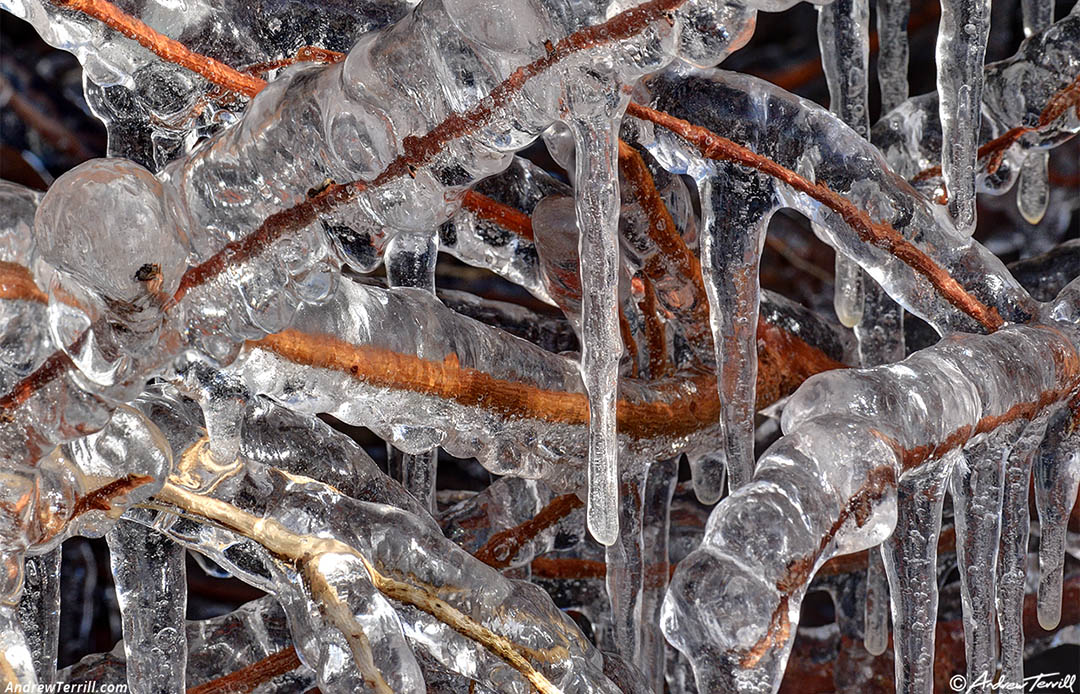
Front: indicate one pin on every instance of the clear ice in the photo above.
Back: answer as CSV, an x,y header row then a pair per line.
x,y
180,321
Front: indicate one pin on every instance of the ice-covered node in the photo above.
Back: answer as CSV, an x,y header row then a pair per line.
x,y
108,225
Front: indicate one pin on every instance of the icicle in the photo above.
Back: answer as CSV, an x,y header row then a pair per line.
x,y
1012,558
1038,14
961,47
876,628
416,472
880,336
733,235
1057,474
151,587
843,37
659,489
911,562
16,662
848,297
625,560
845,50
223,401
708,473
410,262
892,22
597,198
1033,188
976,488
39,611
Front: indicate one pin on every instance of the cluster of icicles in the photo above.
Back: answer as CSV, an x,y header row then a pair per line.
x,y
218,281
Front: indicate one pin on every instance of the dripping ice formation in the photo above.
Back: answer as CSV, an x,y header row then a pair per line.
x,y
243,294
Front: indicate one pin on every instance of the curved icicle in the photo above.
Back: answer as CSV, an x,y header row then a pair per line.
x,y
1057,474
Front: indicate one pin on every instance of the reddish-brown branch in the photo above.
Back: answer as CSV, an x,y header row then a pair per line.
x,y
246,679
655,334
16,283
858,508
307,54
878,234
688,410
495,212
993,152
568,569
166,48
674,257
101,499
501,548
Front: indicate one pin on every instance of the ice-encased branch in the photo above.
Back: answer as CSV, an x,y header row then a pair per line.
x,y
829,486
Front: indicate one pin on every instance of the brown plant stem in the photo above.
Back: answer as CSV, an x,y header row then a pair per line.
x,y
17,284
881,235
789,361
164,47
502,547
507,217
246,679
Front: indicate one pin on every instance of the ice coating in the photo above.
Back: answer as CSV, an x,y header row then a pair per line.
x,y
14,652
331,122
374,530
254,631
545,440
1015,93
791,132
817,499
251,301
806,139
153,108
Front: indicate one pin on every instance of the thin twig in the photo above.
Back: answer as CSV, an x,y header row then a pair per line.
x,y
305,551
164,47
879,234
